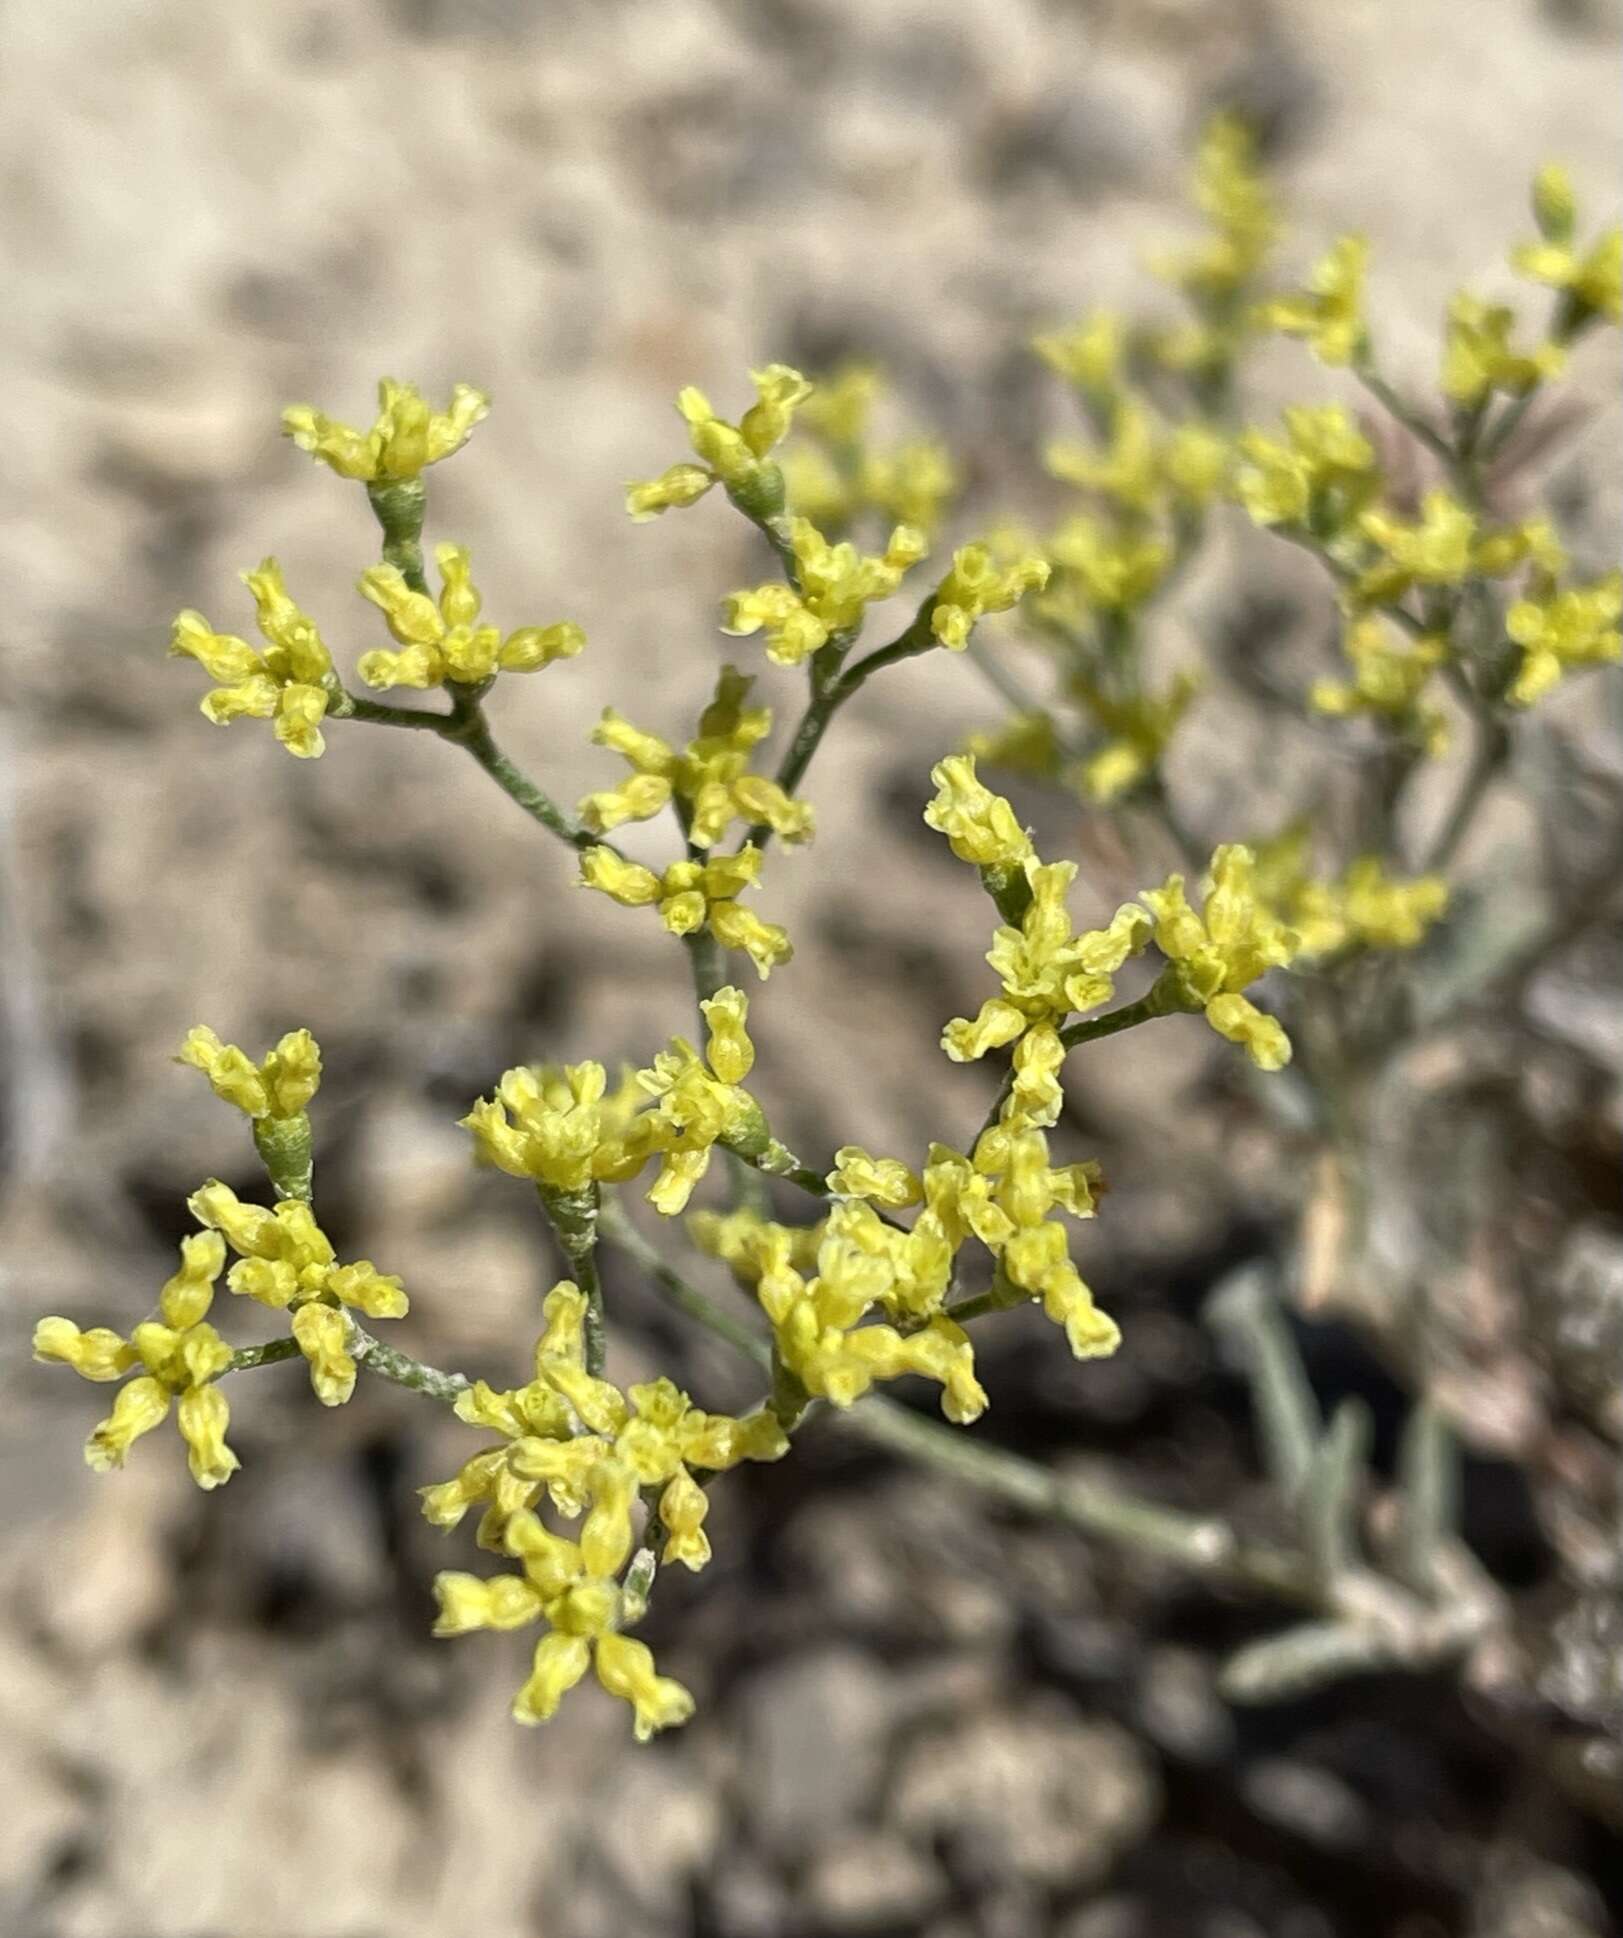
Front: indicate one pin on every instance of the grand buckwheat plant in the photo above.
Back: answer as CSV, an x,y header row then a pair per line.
x,y
1454,616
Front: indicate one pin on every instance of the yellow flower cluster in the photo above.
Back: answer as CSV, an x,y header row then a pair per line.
x,y
279,1086
588,1448
836,476
291,682
1561,628
407,436
1144,473
1479,357
1138,730
1320,476
1329,311
1590,279
709,777
442,641
1088,354
1217,275
694,895
978,584
286,1261
834,586
1216,953
180,1354
1391,675
1365,908
563,1422
733,455
1110,569
559,1128
1048,972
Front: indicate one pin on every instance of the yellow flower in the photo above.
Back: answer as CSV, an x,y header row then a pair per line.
x,y
1101,568
976,586
710,777
1088,354
571,1587
556,1125
1048,972
1391,674
279,1087
442,642
1591,280
1234,195
1478,357
1559,629
834,586
913,484
1436,549
290,682
692,895
180,1354
406,437
286,1261
1220,951
1322,475
838,407
1027,743
1365,908
880,1180
699,1102
1139,729
1329,312
558,1427
733,455
981,827
1142,473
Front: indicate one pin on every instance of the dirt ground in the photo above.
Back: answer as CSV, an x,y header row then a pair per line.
x,y
222,1716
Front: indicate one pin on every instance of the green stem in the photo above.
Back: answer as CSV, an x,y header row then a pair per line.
x,y
573,1216
391,1364
618,1229
828,698
472,731
1488,755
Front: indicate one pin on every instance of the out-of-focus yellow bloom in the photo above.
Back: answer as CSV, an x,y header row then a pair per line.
x,y
406,437
1590,279
1478,356
281,1086
1391,675
1366,908
981,827
572,1587
838,408
441,642
977,585
1027,743
710,776
1329,311
1088,354
1321,475
1220,951
1139,729
1438,548
734,455
1562,628
558,1427
912,484
692,895
285,1260
560,1126
835,585
289,683
1233,194
1101,568
180,1354
1140,472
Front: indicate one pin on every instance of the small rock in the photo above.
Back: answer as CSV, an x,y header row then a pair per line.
x,y
871,1882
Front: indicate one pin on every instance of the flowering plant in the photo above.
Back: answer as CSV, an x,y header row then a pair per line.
x,y
1451,615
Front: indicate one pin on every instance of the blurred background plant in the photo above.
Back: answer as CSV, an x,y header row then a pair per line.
x,y
919,1711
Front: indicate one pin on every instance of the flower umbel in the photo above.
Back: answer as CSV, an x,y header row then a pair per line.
x,y
407,436
291,682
